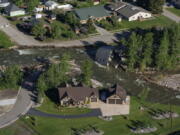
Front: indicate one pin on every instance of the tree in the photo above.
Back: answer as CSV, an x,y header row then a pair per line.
x,y
162,56
31,4
146,58
132,47
18,2
87,72
38,30
174,46
55,30
71,19
11,78
90,26
156,6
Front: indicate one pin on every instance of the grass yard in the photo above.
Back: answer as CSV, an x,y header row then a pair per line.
x,y
174,10
50,107
157,21
118,125
5,42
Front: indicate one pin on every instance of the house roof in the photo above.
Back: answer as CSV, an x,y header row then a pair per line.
x,y
103,54
130,10
118,90
51,3
12,8
77,93
95,11
4,1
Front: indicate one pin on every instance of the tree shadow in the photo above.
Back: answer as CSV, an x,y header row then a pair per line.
x,y
52,94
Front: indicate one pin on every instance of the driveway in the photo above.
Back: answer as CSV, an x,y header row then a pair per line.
x,y
93,113
25,100
171,16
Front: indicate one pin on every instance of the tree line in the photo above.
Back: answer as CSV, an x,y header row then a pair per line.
x,y
159,49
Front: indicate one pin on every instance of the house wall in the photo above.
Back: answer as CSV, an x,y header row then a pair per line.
x,y
17,13
140,15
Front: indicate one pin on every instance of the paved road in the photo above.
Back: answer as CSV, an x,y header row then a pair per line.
x,y
93,113
25,40
171,16
24,102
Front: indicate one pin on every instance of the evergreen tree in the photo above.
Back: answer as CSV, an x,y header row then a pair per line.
x,y
31,4
132,47
146,58
174,46
55,30
156,6
38,30
87,72
162,56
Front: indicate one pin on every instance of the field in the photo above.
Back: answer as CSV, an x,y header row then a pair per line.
x,y
174,10
5,42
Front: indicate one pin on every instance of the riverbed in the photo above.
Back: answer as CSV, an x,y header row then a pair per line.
x,y
133,83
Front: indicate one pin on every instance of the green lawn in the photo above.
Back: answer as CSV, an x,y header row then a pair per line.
x,y
118,125
5,42
174,10
51,107
157,21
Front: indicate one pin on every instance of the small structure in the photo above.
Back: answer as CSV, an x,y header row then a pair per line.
x,y
4,3
52,16
96,2
38,16
13,10
51,5
96,12
129,12
104,55
176,3
77,96
38,9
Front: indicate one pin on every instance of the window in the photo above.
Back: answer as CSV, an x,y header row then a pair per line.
x,y
93,99
118,101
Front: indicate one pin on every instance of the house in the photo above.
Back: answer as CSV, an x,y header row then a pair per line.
x,y
52,16
104,55
77,96
96,2
38,16
13,10
38,9
176,3
95,12
116,95
51,5
129,12
4,3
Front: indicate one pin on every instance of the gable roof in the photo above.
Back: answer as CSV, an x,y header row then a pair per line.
x,y
103,54
12,8
95,11
119,91
77,93
130,10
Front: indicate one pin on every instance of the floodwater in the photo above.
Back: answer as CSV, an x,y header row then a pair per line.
x,y
108,76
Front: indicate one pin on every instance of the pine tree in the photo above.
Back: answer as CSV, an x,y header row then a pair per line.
x,y
146,58
174,46
132,45
162,56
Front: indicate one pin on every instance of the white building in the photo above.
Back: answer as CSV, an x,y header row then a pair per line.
x,y
65,7
12,10
4,3
51,5
130,12
38,16
38,9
